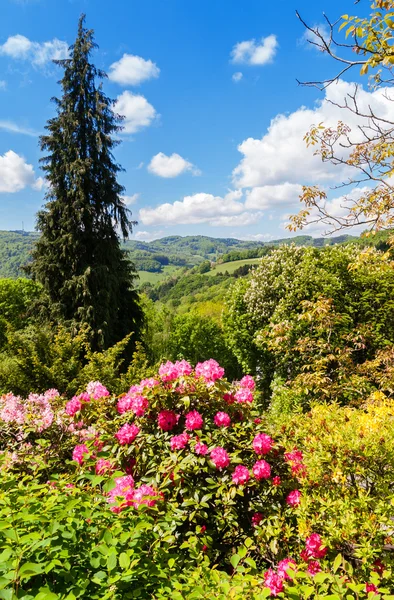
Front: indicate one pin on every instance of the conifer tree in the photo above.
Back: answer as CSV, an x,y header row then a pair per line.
x,y
78,258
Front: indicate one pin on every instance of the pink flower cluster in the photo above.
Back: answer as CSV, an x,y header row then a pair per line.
x,y
124,494
262,443
261,470
241,475
210,370
178,442
295,459
76,403
79,452
274,581
314,547
35,410
222,419
243,396
201,449
220,458
104,466
133,401
194,420
167,420
97,390
294,498
127,434
247,382
170,371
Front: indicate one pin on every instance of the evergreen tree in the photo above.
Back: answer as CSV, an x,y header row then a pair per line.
x,y
78,257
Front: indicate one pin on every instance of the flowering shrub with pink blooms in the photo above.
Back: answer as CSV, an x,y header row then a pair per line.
x,y
195,453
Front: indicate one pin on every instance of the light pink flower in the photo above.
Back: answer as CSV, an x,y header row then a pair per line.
x,y
145,494
273,582
194,420
243,396
167,420
97,390
241,475
210,370
247,382
262,443
79,452
200,448
261,470
170,371
284,566
121,495
51,394
139,405
12,409
127,434
149,383
178,442
104,466
220,458
222,419
294,498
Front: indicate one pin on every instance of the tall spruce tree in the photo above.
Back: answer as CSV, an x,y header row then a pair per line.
x,y
78,258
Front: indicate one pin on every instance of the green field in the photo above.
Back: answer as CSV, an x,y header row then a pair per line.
x,y
147,277
230,267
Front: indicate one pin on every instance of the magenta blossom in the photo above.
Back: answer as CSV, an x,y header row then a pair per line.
x,y
194,420
178,442
222,419
151,382
78,453
241,475
104,466
273,582
294,498
261,470
127,434
145,494
244,396
314,546
285,565
201,449
247,382
121,495
170,371
257,518
210,370
220,458
97,390
313,567
167,420
73,406
139,405
370,587
262,443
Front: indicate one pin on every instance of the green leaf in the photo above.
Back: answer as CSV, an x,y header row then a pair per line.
x,y
124,560
234,560
337,563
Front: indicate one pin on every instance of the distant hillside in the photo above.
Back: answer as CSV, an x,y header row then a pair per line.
x,y
153,257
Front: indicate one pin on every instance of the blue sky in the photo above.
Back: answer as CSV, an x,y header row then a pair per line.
x,y
215,118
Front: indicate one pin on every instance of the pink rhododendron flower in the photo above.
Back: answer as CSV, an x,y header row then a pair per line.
x,y
97,390
38,412
210,370
257,420
73,406
104,466
261,470
169,371
313,567
220,458
284,566
370,587
222,419
12,409
122,492
295,459
241,475
262,443
167,420
78,453
273,582
294,498
200,448
247,382
149,383
124,404
276,480
127,434
257,518
178,442
51,394
194,420
314,547
139,405
145,494
243,396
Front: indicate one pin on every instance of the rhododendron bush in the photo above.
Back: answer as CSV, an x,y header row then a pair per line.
x,y
188,461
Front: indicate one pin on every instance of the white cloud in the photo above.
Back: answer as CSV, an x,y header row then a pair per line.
x,y
199,208
3,84
237,77
241,220
16,173
39,54
129,200
148,236
12,127
255,53
257,237
132,70
281,154
137,111
170,166
309,39
271,196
